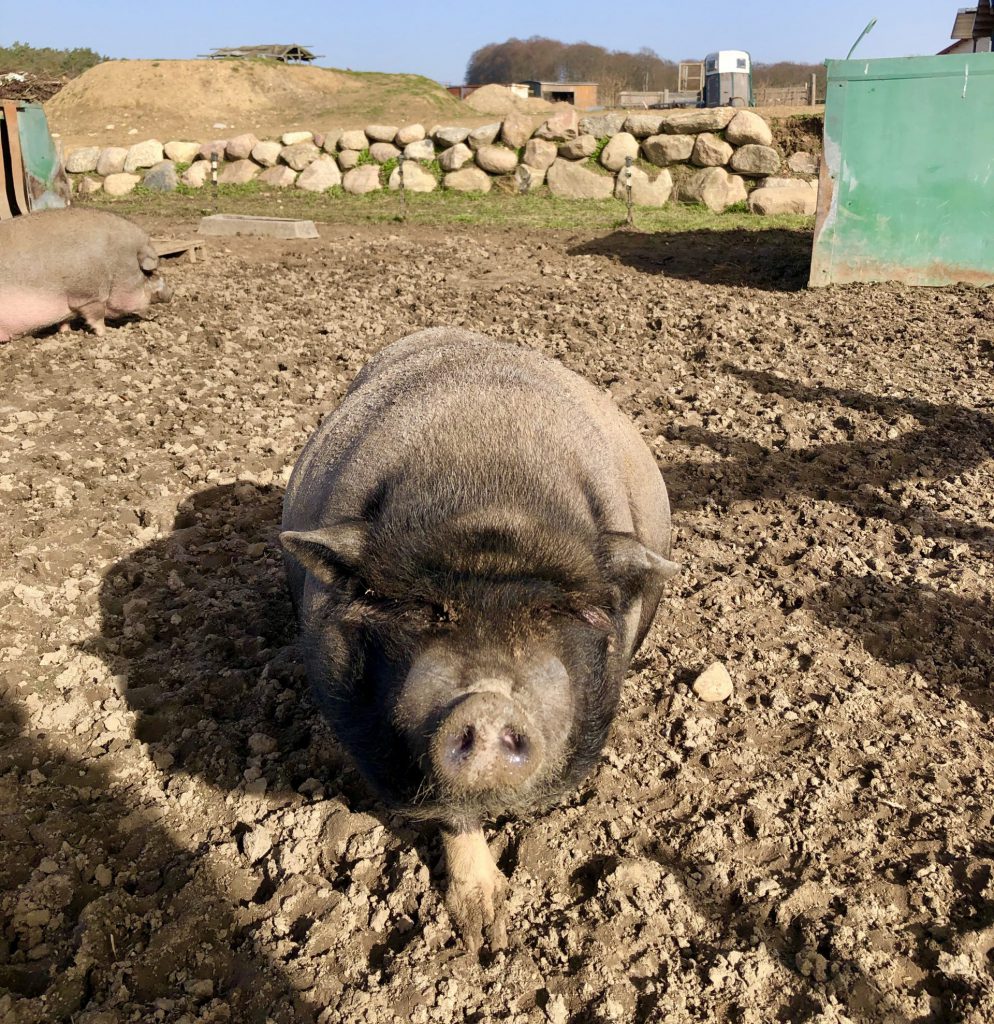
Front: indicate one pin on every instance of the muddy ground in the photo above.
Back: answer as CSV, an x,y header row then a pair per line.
x,y
181,840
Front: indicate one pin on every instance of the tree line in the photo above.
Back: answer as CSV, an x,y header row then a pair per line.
x,y
47,62
549,60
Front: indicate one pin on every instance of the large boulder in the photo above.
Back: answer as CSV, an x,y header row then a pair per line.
x,y
664,150
196,175
295,138
690,122
747,128
299,155
646,191
355,139
446,137
408,134
162,177
576,149
561,127
88,186
329,142
620,147
120,184
540,153
709,150
181,152
320,175
516,130
454,157
239,172
266,154
420,149
361,180
416,178
381,132
111,160
279,176
497,159
527,178
642,126
381,152
348,159
601,124
570,180
84,160
216,147
241,146
754,160
143,154
470,179
485,135
793,197
803,163
715,188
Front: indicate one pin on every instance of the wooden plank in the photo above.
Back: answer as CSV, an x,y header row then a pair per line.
x,y
176,247
16,160
5,211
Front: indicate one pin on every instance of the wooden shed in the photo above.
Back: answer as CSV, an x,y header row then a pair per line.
x,y
287,53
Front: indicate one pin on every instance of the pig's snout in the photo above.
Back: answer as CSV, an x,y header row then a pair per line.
x,y
160,291
486,742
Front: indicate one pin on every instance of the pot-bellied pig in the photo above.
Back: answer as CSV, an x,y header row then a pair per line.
x,y
476,541
57,265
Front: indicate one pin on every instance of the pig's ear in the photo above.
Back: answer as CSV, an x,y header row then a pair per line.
x,y
328,553
629,560
148,260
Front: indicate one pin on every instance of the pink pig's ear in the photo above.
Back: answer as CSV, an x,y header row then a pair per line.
x,y
148,260
630,560
330,552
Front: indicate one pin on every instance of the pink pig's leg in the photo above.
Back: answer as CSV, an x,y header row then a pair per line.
x,y
93,313
64,327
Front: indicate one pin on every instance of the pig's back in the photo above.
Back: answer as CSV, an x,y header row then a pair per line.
x,y
485,420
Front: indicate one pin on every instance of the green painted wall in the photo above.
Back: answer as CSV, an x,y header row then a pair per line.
x,y
907,181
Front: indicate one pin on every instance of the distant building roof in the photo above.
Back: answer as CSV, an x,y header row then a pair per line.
x,y
273,51
974,22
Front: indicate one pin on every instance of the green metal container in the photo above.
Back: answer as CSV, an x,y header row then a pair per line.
x,y
907,180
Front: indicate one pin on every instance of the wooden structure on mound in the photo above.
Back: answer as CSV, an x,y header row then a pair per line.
x,y
286,53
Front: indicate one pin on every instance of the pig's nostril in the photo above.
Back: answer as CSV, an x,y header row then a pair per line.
x,y
463,746
515,745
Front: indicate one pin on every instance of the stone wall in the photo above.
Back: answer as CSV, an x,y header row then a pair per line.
x,y
717,157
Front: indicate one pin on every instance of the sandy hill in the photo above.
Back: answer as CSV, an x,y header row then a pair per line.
x,y
186,99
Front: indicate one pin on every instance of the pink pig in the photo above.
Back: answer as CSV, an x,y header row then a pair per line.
x,y
57,265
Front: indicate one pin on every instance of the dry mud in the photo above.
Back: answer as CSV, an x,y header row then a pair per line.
x,y
179,838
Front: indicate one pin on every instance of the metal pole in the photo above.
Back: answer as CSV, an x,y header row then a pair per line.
x,y
628,190
214,176
403,190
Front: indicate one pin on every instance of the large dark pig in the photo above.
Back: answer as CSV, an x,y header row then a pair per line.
x,y
57,265
476,543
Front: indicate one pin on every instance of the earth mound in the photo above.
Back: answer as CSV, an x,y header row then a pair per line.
x,y
204,99
498,99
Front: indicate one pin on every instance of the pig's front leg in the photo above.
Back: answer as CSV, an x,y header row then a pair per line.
x,y
477,890
93,313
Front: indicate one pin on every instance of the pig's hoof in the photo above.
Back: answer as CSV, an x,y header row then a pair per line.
x,y
478,908
64,328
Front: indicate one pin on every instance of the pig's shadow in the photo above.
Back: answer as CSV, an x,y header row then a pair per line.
x,y
199,626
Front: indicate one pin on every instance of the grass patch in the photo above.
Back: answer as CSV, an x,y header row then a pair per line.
x,y
535,210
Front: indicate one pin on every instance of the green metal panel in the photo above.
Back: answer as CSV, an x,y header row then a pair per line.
x,y
907,181
45,177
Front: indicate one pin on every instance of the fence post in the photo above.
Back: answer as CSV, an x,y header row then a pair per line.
x,y
630,221
813,87
400,180
214,176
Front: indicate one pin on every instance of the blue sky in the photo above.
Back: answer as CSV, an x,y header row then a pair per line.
x,y
436,39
